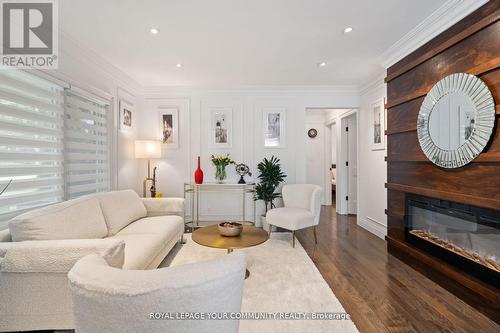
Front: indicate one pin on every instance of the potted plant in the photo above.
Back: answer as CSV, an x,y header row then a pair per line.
x,y
221,162
270,177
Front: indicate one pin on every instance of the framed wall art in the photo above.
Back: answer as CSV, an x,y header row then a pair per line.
x,y
169,126
221,133
126,116
274,128
377,125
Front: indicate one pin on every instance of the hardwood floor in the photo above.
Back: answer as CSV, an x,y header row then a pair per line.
x,y
381,293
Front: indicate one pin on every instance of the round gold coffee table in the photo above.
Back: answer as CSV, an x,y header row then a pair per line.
x,y
250,236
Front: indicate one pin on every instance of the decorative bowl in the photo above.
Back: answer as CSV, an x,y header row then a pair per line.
x,y
230,229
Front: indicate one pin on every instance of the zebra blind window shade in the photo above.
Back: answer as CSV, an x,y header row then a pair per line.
x,y
53,143
87,162
31,142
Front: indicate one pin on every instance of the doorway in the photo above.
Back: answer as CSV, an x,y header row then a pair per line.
x,y
350,155
332,155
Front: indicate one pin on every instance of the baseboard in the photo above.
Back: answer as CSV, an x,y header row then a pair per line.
x,y
373,226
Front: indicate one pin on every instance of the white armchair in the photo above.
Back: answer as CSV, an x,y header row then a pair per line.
x,y
108,299
302,209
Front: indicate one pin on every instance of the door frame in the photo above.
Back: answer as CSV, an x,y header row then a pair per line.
x,y
330,126
342,187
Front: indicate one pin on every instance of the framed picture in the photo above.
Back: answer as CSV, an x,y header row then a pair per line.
x,y
169,127
221,133
274,128
126,115
377,125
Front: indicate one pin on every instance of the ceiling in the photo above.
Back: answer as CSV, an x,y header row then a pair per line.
x,y
242,42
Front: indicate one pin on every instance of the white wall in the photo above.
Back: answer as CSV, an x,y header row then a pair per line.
x,y
84,69
87,70
372,168
194,106
318,152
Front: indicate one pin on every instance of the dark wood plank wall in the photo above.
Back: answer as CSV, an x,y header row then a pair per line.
x,y
471,46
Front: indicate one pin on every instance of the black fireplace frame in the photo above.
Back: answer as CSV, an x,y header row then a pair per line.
x,y
474,214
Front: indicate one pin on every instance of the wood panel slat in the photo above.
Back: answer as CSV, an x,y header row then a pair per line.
x,y
395,202
417,83
492,18
483,158
479,180
444,195
482,14
406,143
403,117
471,46
395,229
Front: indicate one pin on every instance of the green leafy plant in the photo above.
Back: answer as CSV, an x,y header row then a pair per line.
x,y
270,177
221,162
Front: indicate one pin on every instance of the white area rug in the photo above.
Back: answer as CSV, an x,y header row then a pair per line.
x,y
282,279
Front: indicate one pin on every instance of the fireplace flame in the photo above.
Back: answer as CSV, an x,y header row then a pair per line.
x,y
489,261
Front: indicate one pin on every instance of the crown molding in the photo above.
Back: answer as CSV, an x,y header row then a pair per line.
x,y
334,90
376,81
73,48
444,17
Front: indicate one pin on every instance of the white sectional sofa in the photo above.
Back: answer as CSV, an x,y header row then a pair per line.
x,y
41,246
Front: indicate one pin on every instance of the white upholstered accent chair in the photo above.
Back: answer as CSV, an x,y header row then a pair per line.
x,y
108,299
302,209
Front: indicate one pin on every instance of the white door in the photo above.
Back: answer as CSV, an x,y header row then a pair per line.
x,y
352,165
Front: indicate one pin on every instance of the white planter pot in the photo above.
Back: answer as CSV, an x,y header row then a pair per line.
x,y
265,225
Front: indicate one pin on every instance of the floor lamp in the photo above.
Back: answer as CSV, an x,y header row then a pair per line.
x,y
148,149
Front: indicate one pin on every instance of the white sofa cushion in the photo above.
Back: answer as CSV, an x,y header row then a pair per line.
x,y
74,219
164,206
120,208
145,239
140,249
57,256
158,225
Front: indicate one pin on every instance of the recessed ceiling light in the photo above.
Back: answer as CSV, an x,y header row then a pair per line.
x,y
322,64
179,65
347,30
154,31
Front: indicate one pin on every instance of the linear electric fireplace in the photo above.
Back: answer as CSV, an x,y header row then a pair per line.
x,y
467,237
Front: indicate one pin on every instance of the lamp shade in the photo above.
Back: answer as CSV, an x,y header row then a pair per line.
x,y
147,149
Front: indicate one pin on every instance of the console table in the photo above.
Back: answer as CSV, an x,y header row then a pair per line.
x,y
193,190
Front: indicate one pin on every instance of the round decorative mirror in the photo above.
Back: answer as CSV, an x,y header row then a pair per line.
x,y
456,120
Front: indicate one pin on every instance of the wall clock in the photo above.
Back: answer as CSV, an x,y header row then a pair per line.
x,y
312,133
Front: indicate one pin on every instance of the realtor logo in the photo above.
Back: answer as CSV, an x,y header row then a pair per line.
x,y
29,34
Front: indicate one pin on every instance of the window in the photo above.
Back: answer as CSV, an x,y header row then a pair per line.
x,y
86,145
53,143
31,142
